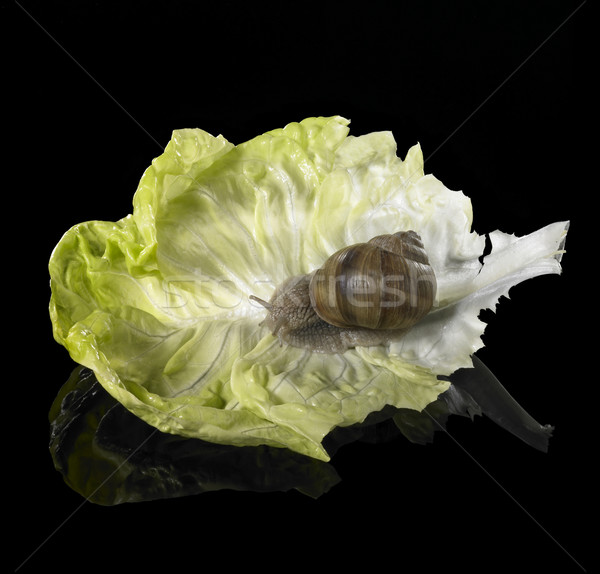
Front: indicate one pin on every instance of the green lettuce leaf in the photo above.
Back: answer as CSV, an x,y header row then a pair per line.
x,y
110,456
157,304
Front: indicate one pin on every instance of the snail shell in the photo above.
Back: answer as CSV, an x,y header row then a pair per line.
x,y
364,294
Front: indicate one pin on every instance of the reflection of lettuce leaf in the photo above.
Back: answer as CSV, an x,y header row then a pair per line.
x,y
157,304
110,456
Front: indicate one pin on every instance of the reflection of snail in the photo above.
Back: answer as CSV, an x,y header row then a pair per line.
x,y
365,294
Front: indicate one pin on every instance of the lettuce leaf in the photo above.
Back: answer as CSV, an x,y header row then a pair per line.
x,y
157,304
110,456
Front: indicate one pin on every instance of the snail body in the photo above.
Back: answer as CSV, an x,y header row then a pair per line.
x,y
364,294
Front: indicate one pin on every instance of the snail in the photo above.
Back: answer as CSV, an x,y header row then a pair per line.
x,y
364,294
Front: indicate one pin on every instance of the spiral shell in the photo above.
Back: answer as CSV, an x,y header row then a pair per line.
x,y
386,283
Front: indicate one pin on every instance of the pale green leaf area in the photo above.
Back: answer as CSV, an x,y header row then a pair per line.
x,y
157,304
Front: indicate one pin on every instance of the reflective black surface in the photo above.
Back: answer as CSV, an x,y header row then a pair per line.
x,y
110,456
497,94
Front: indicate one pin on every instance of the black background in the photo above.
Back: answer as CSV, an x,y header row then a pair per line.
x,y
496,94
